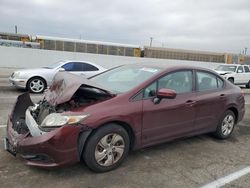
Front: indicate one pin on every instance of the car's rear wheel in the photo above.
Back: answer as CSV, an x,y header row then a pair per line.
x,y
106,148
36,85
226,125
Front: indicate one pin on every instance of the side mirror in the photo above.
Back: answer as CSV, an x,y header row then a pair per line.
x,y
166,93
61,69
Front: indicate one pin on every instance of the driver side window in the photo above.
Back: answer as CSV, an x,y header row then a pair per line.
x,y
181,82
240,69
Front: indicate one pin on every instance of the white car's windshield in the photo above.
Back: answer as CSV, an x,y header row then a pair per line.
x,y
226,68
124,78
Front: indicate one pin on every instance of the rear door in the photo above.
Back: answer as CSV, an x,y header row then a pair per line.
x,y
211,101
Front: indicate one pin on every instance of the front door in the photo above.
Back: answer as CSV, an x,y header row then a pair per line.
x,y
171,118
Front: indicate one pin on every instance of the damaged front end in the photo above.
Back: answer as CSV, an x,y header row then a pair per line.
x,y
46,134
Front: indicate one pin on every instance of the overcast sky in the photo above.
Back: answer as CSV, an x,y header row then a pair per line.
x,y
214,25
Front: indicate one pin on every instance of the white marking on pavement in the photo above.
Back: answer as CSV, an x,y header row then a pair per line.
x,y
227,179
3,126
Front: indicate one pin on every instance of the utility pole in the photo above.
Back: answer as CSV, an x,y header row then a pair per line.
x,y
16,29
151,40
245,50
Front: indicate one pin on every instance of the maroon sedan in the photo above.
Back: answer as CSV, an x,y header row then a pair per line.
x,y
129,107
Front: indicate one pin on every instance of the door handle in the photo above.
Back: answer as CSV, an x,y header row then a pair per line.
x,y
222,96
190,102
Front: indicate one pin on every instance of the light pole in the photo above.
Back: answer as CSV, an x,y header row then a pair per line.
x,y
151,40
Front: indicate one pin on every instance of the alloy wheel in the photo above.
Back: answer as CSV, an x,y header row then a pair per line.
x,y
109,149
37,85
227,125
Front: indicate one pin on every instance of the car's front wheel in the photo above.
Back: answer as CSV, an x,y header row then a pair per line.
x,y
36,85
226,125
106,148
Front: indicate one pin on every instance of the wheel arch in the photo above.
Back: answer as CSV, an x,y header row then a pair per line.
x,y
36,76
84,136
235,111
231,77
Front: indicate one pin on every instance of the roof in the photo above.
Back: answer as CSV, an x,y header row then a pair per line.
x,y
86,41
165,66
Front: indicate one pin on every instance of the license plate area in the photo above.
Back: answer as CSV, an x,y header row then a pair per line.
x,y
8,147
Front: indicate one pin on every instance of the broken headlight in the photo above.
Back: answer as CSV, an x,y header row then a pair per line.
x,y
58,120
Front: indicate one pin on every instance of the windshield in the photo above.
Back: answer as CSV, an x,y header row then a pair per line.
x,y
226,68
124,78
54,65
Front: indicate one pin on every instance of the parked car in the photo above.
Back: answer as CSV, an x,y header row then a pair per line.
x,y
237,74
37,80
98,120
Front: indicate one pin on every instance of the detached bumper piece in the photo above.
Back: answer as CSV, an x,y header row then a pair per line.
x,y
18,114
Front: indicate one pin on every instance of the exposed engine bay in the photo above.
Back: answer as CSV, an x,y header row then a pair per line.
x,y
84,96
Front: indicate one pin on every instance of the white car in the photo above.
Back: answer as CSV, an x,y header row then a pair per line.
x,y
237,74
38,79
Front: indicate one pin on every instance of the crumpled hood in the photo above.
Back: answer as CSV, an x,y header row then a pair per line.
x,y
224,72
64,86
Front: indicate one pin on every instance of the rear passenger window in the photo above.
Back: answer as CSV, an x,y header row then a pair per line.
x,y
206,81
88,67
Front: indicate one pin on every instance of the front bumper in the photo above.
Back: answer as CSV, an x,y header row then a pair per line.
x,y
19,83
58,147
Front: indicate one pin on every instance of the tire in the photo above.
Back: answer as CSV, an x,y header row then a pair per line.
x,y
226,125
100,145
36,85
248,84
231,80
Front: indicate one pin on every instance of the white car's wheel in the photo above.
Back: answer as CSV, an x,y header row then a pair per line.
x,y
36,85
